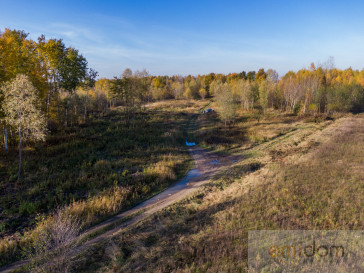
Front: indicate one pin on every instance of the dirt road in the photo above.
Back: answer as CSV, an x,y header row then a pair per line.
x,y
207,164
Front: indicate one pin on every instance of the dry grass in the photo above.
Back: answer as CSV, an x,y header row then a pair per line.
x,y
249,128
89,211
113,200
8,248
136,165
306,186
164,169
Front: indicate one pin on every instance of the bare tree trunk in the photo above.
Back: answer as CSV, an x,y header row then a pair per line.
x,y
20,159
305,105
6,138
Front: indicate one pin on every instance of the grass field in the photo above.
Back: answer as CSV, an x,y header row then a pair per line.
x,y
295,172
310,177
93,171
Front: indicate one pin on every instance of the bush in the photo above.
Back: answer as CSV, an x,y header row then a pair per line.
x,y
51,243
27,208
297,108
357,99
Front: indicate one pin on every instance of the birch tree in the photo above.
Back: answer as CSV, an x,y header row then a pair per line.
x,y
225,101
242,90
22,113
263,95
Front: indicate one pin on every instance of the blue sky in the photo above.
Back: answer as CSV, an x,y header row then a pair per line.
x,y
197,37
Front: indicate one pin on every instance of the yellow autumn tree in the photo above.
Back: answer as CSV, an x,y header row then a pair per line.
x,y
22,113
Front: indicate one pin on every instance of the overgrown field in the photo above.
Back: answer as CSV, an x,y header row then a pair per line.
x,y
94,171
249,128
310,178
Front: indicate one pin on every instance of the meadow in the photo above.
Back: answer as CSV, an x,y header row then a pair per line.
x,y
308,177
80,153
93,171
288,163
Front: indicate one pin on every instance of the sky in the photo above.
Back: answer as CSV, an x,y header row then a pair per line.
x,y
197,37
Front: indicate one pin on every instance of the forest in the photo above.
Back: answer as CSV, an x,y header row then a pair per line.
x,y
90,147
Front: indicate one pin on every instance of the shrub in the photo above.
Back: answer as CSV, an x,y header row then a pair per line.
x,y
357,99
51,242
297,108
27,208
102,166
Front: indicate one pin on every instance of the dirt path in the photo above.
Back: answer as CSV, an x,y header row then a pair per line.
x,y
207,164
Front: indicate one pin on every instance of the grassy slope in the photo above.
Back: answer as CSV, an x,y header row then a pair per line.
x,y
311,179
96,170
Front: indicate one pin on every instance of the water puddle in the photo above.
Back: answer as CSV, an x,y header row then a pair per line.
x,y
190,143
184,182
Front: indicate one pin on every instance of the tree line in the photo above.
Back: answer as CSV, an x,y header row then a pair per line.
x,y
63,91
321,89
